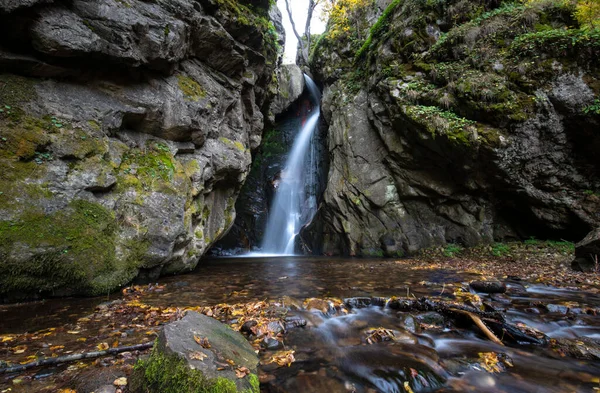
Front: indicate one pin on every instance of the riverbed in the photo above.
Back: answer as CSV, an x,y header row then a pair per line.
x,y
347,344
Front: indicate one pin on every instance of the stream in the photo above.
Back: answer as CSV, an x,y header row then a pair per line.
x,y
363,346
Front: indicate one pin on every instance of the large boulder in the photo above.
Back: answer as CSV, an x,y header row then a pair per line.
x,y
198,354
291,85
126,131
587,253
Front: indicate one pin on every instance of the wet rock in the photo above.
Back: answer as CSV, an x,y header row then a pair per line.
x,y
557,308
587,253
177,358
271,344
409,322
488,286
431,318
247,327
321,305
358,302
291,86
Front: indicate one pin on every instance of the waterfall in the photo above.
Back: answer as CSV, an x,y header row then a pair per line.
x,y
294,204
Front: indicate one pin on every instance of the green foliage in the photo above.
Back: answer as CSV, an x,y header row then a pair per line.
x,y
558,245
558,42
588,14
500,249
440,122
594,108
451,250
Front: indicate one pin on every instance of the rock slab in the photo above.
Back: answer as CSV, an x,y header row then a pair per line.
x,y
178,360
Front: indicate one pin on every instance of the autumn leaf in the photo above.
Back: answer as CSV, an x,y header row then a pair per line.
x,y
283,358
67,391
241,372
102,346
407,388
19,349
198,356
203,342
120,381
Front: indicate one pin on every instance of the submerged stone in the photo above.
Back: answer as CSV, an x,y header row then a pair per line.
x,y
488,286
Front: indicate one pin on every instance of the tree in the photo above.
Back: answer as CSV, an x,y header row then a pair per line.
x,y
312,4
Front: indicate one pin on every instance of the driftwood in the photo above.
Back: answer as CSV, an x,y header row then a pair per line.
x,y
75,357
491,323
488,333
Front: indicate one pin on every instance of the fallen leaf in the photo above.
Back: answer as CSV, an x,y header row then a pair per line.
x,y
198,356
203,342
102,346
283,358
120,381
241,372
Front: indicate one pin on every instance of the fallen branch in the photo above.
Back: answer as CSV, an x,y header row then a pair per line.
x,y
488,333
75,357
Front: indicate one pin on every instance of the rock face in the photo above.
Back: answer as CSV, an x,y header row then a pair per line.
x,y
291,85
189,355
587,253
447,124
125,135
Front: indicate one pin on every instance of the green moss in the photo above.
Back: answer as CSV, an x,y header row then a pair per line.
x,y
72,249
192,91
440,122
378,29
150,169
237,144
169,374
16,90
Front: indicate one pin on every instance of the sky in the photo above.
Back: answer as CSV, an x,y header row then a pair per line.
x,y
299,13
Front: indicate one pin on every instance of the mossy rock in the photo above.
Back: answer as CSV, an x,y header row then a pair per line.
x,y
71,251
178,364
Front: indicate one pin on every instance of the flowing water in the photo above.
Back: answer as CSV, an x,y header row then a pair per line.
x,y
332,352
295,204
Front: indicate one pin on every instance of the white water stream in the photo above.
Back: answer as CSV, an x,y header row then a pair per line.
x,y
294,205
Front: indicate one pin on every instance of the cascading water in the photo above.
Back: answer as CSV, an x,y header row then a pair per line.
x,y
294,204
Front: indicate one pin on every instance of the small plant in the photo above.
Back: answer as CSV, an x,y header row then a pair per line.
x,y
40,157
452,249
56,123
500,249
593,109
532,241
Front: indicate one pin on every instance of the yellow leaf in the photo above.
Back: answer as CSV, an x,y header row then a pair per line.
x,y
67,391
120,381
198,356
102,346
407,388
73,332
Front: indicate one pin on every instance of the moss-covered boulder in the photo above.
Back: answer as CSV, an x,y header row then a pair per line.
x,y
197,354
